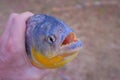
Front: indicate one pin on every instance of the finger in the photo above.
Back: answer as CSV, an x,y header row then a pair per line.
x,y
6,32
17,34
19,26
9,23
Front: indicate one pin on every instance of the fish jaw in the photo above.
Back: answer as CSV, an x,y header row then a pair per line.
x,y
44,62
71,48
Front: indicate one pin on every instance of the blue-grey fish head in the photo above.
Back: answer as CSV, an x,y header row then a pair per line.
x,y
47,34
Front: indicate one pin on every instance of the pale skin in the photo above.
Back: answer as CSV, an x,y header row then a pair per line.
x,y
14,63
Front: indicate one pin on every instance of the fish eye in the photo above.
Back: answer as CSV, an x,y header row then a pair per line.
x,y
51,39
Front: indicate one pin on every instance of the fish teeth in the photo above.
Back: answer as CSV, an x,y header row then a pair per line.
x,y
71,47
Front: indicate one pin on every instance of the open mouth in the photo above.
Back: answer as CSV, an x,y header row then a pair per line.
x,y
70,45
69,39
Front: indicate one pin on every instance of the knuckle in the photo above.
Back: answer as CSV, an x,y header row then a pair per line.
x,y
13,15
27,12
15,19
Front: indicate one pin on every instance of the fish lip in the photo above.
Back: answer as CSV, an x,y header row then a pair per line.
x,y
72,46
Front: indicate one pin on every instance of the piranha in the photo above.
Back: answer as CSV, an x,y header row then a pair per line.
x,y
50,43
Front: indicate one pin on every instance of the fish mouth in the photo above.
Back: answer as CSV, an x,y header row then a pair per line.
x,y
70,44
71,37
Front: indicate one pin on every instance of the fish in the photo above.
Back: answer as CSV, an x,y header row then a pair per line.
x,y
50,43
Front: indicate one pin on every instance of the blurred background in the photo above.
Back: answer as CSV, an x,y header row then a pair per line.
x,y
96,23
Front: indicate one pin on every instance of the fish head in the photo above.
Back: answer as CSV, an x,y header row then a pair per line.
x,y
50,42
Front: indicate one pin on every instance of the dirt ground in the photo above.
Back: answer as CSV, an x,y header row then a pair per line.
x,y
96,23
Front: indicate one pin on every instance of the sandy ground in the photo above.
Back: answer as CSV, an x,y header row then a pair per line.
x,y
96,23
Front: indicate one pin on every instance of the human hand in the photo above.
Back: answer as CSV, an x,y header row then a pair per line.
x,y
14,64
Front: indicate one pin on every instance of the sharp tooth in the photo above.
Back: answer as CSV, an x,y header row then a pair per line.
x,y
72,47
69,43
